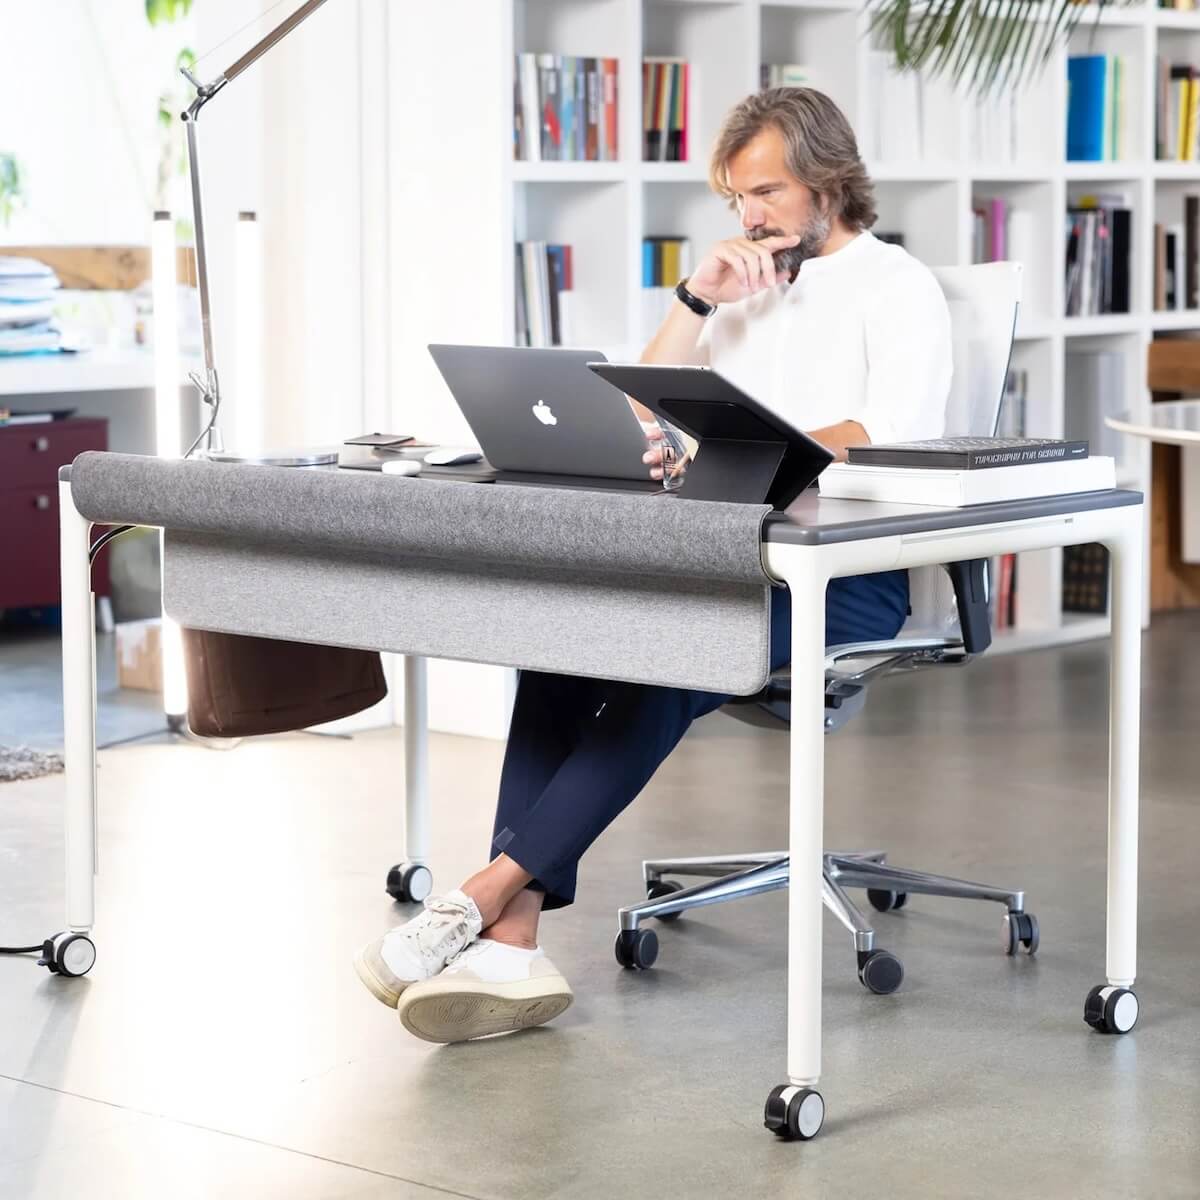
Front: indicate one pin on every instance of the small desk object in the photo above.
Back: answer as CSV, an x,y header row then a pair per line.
x,y
405,565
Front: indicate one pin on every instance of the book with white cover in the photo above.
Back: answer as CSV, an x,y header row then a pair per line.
x,y
960,489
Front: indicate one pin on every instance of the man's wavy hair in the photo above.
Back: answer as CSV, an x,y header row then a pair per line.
x,y
820,149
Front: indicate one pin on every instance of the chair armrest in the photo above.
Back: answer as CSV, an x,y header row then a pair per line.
x,y
970,591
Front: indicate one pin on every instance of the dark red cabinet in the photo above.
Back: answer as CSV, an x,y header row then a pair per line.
x,y
30,456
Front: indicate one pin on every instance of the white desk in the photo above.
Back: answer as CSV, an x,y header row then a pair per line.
x,y
114,384
815,541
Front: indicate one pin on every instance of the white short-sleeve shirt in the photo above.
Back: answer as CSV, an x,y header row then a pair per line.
x,y
862,334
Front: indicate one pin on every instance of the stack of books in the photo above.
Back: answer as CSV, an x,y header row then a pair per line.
x,y
958,472
1177,113
1099,233
665,110
27,324
1177,259
544,279
1001,233
564,109
665,261
994,128
1095,108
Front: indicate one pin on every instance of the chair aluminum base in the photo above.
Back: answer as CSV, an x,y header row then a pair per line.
x,y
751,874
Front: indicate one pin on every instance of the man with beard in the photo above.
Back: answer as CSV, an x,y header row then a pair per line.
x,y
841,334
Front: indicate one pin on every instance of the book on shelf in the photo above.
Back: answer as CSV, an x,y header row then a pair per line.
x,y
1099,238
1176,112
1001,233
994,128
777,75
1012,404
544,279
968,453
665,109
1095,108
897,112
1177,260
1178,5
1085,579
564,108
665,261
961,489
1002,591
1093,389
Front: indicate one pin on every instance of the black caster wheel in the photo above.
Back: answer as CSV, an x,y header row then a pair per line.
x,y
880,971
68,954
409,882
1019,929
664,887
885,901
1109,1009
794,1113
636,948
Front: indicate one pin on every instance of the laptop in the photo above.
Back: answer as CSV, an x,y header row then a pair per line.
x,y
540,416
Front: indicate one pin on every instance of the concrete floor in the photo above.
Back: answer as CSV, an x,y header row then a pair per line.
x,y
222,1045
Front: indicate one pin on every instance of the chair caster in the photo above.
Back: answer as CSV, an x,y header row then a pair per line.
x,y
1019,929
70,954
409,882
794,1114
885,901
880,971
636,948
1109,1009
664,887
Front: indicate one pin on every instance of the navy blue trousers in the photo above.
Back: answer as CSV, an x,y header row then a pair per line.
x,y
579,750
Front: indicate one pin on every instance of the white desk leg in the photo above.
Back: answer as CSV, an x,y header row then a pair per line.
x,y
412,880
1114,1009
796,1110
79,712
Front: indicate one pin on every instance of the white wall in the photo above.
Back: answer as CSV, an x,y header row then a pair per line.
x,y
79,88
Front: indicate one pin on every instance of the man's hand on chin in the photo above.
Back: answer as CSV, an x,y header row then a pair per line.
x,y
840,437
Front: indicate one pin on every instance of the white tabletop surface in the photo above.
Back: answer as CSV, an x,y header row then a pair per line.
x,y
99,370
1173,421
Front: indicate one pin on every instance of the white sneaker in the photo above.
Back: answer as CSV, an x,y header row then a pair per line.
x,y
419,949
489,988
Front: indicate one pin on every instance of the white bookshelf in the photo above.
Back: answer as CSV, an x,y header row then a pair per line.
x,y
605,209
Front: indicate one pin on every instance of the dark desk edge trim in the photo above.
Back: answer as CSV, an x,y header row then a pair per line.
x,y
778,527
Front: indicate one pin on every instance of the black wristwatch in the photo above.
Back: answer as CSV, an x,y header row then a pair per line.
x,y
700,307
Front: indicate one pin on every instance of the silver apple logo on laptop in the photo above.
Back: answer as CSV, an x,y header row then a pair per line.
x,y
542,411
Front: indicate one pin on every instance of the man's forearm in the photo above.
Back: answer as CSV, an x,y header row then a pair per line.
x,y
675,341
840,437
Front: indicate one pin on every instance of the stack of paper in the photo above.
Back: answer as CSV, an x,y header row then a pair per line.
x,y
27,290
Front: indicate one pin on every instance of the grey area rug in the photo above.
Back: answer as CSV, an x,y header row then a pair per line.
x,y
20,762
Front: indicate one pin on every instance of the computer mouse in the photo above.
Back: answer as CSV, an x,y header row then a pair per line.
x,y
401,466
447,456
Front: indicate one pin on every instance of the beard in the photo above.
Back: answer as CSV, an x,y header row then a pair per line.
x,y
812,241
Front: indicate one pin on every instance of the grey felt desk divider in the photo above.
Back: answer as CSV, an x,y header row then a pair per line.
x,y
636,587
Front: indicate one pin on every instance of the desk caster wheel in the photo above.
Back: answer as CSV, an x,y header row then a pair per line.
x,y
1020,929
885,901
409,882
794,1114
880,971
664,887
70,954
636,948
1110,1009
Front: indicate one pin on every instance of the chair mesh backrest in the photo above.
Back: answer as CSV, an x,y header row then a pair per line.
x,y
983,302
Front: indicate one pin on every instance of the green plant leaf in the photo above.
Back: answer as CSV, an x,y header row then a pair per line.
x,y
163,12
981,45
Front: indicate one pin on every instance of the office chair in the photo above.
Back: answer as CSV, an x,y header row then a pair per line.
x,y
947,626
